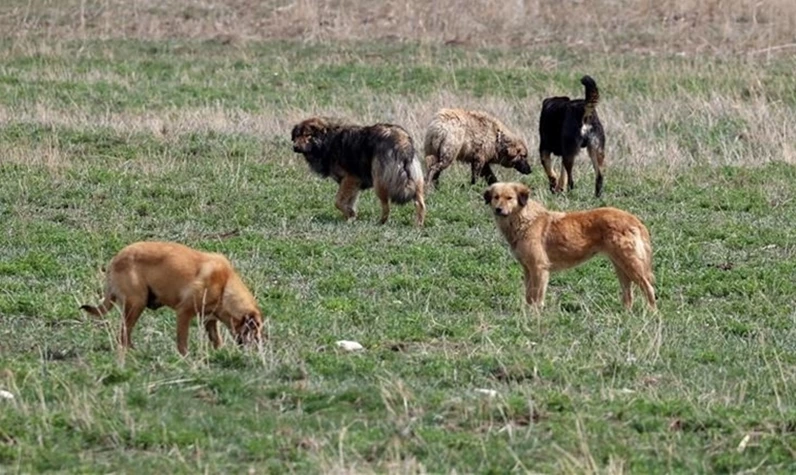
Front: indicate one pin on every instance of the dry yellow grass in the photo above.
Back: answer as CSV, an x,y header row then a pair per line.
x,y
693,26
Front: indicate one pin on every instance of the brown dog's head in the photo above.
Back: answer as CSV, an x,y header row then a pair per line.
x,y
506,198
513,153
307,135
248,329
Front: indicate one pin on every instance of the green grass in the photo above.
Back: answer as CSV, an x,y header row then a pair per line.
x,y
584,387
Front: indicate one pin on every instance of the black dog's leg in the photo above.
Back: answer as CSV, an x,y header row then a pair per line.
x,y
566,176
545,157
597,158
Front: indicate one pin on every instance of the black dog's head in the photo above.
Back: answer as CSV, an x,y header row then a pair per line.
x,y
513,153
308,135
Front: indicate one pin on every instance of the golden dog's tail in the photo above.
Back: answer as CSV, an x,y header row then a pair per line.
x,y
592,96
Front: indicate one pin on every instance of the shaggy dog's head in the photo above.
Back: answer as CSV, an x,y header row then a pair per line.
x,y
506,198
513,153
308,135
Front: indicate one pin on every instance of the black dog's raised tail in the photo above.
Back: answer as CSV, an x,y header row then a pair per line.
x,y
592,96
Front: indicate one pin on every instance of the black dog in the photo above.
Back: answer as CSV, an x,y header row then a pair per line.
x,y
380,156
565,127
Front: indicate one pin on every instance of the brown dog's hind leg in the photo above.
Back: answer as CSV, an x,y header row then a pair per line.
x,y
435,165
552,178
132,311
347,197
597,156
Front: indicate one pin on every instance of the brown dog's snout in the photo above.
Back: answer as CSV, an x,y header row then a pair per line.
x,y
523,166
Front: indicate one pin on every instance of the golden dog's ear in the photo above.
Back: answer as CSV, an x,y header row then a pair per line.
x,y
488,195
523,193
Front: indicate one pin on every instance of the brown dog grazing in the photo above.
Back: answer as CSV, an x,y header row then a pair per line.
x,y
380,156
567,125
476,138
547,241
154,274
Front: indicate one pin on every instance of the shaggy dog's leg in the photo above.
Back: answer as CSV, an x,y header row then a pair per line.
x,y
347,197
384,196
420,206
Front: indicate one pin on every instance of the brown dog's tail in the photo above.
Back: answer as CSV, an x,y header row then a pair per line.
x,y
592,96
102,309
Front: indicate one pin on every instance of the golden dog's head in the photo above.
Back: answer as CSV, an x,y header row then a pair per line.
x,y
506,198
513,153
308,134
248,329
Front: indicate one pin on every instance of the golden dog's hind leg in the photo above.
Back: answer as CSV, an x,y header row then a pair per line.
x,y
636,270
347,197
625,284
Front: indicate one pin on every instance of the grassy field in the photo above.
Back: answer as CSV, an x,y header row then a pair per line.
x,y
108,136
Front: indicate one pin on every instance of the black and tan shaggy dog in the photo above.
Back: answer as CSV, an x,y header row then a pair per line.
x,y
380,156
566,126
476,138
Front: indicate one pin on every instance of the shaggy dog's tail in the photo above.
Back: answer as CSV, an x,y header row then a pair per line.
x,y
592,96
399,169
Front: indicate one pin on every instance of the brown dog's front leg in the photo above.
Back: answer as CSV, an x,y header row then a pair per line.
x,y
184,318
211,327
475,170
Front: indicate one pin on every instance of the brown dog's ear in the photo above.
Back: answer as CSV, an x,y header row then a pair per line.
x,y
523,193
488,196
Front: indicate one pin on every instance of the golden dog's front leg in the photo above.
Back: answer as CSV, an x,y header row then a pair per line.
x,y
536,280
